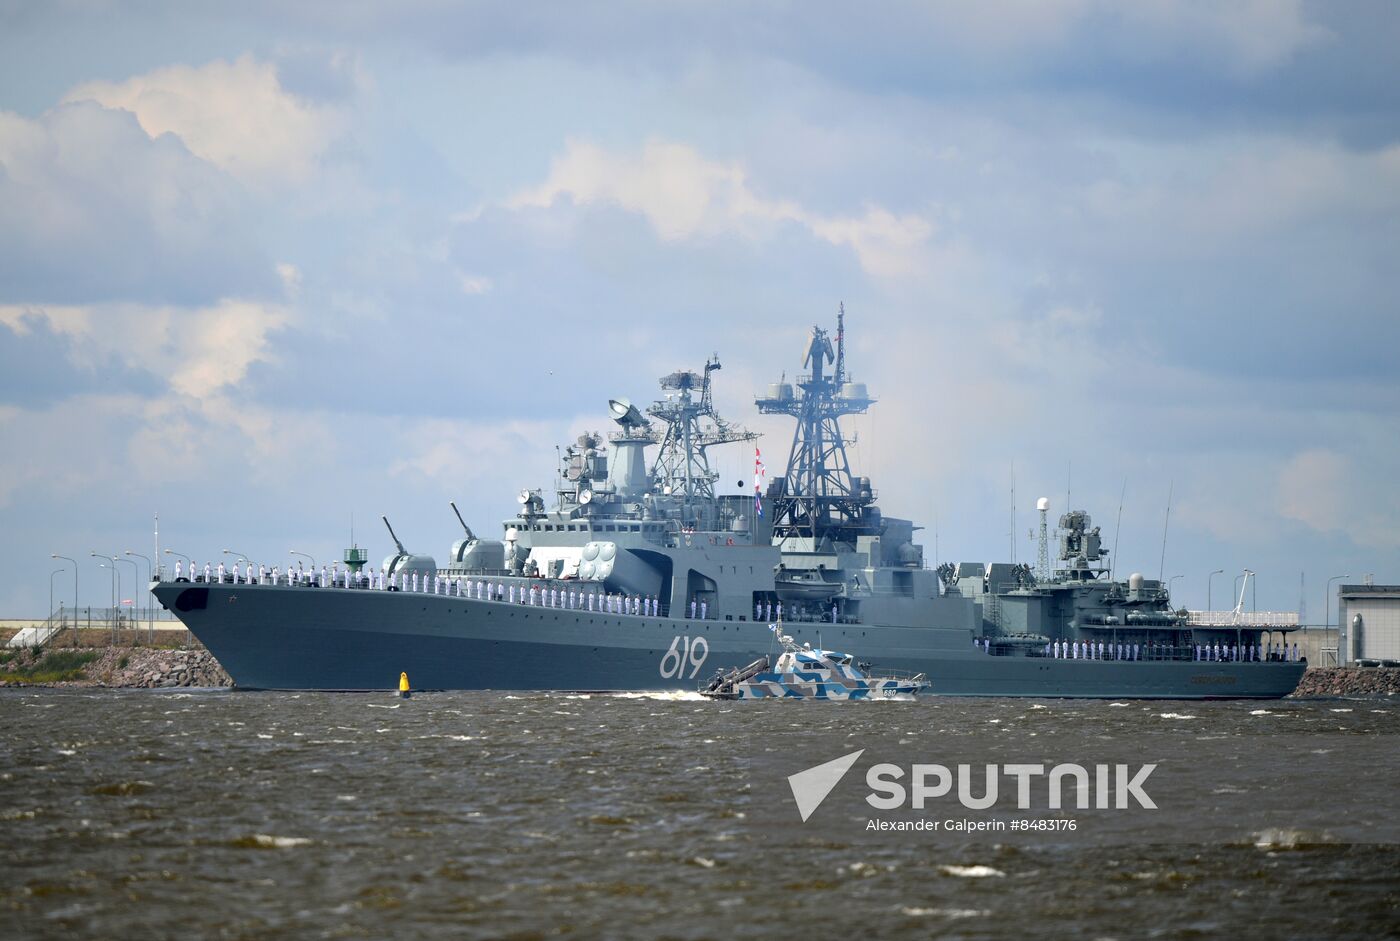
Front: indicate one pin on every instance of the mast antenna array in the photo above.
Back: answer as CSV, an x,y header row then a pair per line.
x,y
818,497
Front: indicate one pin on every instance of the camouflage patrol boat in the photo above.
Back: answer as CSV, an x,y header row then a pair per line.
x,y
639,572
810,673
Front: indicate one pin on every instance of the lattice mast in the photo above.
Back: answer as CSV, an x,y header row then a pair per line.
x,y
819,497
1042,556
682,466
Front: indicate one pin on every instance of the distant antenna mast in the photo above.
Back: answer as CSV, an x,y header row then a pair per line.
x,y
841,343
1042,558
1013,512
1163,568
1118,530
1302,598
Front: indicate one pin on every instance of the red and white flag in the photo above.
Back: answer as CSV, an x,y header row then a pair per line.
x,y
758,473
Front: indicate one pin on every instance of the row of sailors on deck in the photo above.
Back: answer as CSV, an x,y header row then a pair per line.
x,y
538,596
1215,653
1236,653
1089,650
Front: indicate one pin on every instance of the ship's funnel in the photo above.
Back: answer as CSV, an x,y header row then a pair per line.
x,y
627,471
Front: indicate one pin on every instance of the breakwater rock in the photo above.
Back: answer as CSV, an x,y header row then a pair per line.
x,y
153,668
1348,681
112,667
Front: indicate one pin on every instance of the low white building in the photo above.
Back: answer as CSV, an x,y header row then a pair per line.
x,y
1369,622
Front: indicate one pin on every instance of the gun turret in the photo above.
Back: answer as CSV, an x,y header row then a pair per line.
x,y
403,563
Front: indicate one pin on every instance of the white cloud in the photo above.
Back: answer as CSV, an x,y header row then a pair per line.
x,y
1249,36
1203,198
201,351
234,114
475,284
92,209
1328,492
683,195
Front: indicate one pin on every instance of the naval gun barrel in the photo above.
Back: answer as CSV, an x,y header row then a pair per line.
x,y
392,536
470,535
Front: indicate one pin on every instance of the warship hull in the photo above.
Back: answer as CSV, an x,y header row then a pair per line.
x,y
302,638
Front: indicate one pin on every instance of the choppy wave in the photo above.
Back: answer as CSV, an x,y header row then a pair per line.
x,y
971,872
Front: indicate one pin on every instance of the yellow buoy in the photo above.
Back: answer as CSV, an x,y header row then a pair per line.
x,y
403,686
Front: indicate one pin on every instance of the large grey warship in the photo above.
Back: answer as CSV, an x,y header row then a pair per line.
x,y
643,577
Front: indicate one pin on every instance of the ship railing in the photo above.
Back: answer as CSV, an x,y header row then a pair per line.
x,y
1246,619
1172,653
877,672
365,583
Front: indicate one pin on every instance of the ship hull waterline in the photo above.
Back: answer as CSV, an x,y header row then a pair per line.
x,y
297,638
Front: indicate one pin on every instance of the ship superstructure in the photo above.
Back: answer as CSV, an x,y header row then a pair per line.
x,y
640,571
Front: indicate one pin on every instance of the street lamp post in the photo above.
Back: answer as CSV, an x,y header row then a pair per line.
x,y
307,555
185,557
75,593
1169,583
1208,579
113,569
150,609
241,557
1327,616
135,576
51,575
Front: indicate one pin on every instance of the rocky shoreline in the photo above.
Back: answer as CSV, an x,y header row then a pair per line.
x,y
130,668
1348,681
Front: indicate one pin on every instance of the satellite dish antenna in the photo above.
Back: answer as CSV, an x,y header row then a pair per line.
x,y
585,497
625,413
524,497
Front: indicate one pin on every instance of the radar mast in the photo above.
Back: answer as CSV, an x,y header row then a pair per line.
x,y
818,497
682,467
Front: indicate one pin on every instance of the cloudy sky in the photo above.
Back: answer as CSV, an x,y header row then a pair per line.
x,y
272,267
